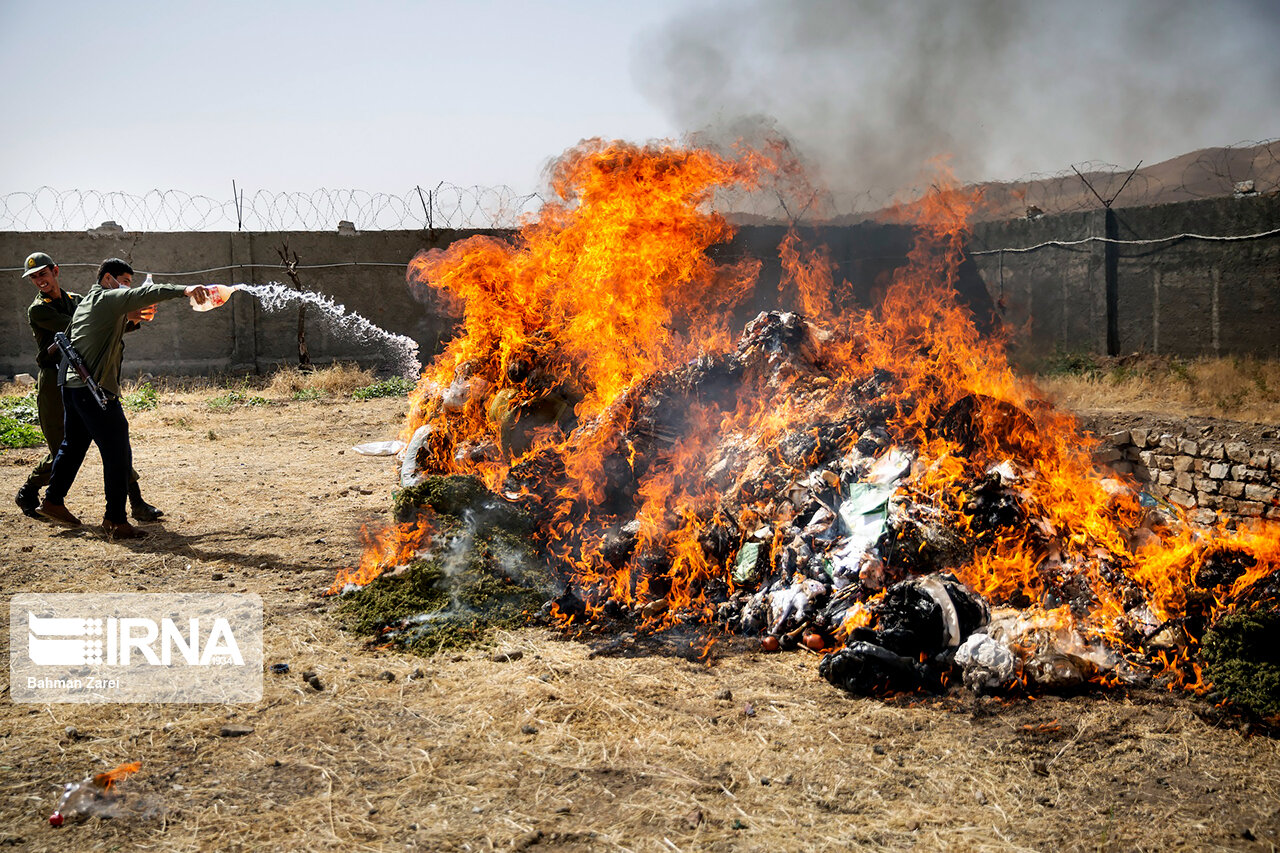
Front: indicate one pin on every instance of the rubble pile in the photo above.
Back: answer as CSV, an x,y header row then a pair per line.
x,y
826,536
872,485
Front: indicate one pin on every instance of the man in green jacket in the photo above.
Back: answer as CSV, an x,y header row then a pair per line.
x,y
97,333
48,314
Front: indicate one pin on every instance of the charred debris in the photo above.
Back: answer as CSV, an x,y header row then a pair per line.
x,y
823,537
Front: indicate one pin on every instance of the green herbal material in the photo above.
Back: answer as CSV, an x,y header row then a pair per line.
x,y
1241,654
396,386
480,572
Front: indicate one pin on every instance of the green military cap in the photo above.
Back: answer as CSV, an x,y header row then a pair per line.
x,y
37,261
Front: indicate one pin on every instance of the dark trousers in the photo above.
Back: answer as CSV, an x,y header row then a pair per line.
x,y
52,415
87,423
49,407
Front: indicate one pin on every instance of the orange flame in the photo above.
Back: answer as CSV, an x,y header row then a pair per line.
x,y
384,549
124,771
565,326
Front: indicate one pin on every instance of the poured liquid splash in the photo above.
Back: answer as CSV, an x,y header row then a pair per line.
x,y
274,297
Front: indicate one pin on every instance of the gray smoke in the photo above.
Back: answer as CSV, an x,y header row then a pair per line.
x,y
869,92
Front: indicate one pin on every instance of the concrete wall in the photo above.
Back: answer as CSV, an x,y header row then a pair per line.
x,y
369,279
239,337
1187,298
864,255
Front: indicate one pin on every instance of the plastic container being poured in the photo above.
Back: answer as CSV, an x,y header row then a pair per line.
x,y
218,295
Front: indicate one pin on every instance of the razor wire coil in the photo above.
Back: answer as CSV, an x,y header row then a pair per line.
x,y
1009,250
1245,169
445,206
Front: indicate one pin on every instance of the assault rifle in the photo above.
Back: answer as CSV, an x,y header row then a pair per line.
x,y
62,343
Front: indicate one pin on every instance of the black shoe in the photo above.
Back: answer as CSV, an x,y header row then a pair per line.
x,y
140,509
27,500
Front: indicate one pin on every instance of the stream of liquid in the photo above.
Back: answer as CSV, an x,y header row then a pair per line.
x,y
403,351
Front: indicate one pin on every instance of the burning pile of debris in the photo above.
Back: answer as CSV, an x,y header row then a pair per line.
x,y
873,484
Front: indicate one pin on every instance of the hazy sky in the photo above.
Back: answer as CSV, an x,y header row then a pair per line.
x,y
377,95
382,95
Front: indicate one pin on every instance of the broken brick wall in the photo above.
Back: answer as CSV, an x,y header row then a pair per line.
x,y
1203,469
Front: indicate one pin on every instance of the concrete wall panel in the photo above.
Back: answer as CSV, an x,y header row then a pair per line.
x,y
1188,298
1185,298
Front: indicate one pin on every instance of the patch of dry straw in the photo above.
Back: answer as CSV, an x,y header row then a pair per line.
x,y
335,379
1236,389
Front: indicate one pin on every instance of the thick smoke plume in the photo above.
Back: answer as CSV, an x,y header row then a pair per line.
x,y
870,92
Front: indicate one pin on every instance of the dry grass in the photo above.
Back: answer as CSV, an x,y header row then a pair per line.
x,y
558,749
15,389
285,382
336,379
571,752
1237,389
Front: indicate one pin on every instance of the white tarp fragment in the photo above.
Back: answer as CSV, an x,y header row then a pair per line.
x,y
792,603
1007,473
988,663
409,476
891,467
1053,651
932,584
863,516
379,448
463,391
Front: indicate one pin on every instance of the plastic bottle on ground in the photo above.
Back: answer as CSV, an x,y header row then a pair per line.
x,y
91,795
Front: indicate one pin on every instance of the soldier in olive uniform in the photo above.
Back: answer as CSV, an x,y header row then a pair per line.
x,y
97,331
51,313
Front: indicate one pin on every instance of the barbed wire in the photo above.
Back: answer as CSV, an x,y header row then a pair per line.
x,y
1244,169
443,206
1012,250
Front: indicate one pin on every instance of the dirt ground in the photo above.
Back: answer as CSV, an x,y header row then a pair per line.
x,y
534,742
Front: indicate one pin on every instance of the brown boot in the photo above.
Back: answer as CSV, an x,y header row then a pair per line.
x,y
121,530
58,514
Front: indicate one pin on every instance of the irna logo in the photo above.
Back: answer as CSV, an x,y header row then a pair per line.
x,y
63,641
127,647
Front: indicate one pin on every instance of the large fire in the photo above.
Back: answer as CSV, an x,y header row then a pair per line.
x,y
594,381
